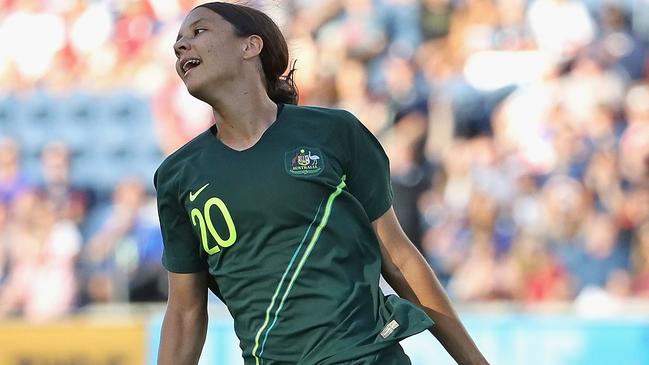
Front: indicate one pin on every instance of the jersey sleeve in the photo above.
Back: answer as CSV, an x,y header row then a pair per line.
x,y
181,252
368,171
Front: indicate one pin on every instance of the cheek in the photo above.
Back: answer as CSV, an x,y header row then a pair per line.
x,y
221,50
217,50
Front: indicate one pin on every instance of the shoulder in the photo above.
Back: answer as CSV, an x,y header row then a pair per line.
x,y
337,117
173,164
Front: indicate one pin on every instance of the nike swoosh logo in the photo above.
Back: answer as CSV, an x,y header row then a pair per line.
x,y
193,196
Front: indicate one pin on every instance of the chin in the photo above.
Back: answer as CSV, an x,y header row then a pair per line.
x,y
203,86
199,91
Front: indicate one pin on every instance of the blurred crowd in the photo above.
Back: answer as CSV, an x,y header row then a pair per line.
x,y
518,134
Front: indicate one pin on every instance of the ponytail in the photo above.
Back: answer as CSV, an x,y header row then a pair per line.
x,y
283,89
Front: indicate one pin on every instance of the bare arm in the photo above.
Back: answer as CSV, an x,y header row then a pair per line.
x,y
405,269
185,323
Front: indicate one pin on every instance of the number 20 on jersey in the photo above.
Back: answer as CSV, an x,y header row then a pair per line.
x,y
204,221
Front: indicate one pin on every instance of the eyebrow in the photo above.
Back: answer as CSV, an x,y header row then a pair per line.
x,y
189,26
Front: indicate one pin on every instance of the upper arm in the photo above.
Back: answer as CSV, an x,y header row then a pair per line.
x,y
187,291
396,247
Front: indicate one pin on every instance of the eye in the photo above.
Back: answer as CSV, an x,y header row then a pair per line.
x,y
198,31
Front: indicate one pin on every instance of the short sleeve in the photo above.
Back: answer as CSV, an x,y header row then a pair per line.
x,y
368,171
181,248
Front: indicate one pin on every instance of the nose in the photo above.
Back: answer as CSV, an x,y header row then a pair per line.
x,y
181,45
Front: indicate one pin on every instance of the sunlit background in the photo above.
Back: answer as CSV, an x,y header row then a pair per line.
x,y
518,134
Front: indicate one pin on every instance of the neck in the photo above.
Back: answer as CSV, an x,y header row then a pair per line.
x,y
242,115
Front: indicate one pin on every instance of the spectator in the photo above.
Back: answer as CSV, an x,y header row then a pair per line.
x,y
69,202
411,173
540,276
4,249
601,255
640,256
121,259
42,250
13,180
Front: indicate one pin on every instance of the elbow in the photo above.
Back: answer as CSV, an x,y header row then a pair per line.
x,y
187,316
194,314
405,256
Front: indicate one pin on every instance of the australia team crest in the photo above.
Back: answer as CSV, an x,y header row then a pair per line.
x,y
304,161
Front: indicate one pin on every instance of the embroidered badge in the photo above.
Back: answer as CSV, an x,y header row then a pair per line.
x,y
304,161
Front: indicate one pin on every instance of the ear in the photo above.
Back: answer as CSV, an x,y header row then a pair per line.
x,y
252,47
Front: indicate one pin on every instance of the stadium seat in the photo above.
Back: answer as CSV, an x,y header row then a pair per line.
x,y
42,109
125,107
9,109
98,170
80,110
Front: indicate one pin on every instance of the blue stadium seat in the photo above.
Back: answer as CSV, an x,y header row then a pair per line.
x,y
9,110
145,161
142,125
110,136
80,111
80,126
126,107
42,109
75,138
40,121
99,170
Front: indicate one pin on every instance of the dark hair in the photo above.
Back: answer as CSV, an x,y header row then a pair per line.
x,y
274,55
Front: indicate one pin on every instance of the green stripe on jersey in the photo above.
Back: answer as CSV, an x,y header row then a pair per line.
x,y
305,256
279,286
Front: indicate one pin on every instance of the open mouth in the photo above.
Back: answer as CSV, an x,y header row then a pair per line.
x,y
190,64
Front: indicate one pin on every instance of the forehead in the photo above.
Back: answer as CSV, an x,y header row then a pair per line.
x,y
202,14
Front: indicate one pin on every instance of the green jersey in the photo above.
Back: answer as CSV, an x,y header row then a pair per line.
x,y
284,228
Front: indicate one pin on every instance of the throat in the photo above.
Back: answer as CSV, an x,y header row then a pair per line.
x,y
242,128
236,142
239,138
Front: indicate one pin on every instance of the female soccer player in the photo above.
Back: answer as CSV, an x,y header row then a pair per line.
x,y
285,213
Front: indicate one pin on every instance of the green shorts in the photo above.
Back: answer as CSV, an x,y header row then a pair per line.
x,y
392,355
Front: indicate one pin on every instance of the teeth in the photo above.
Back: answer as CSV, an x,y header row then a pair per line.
x,y
190,62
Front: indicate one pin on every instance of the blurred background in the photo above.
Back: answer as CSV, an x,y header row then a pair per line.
x,y
518,134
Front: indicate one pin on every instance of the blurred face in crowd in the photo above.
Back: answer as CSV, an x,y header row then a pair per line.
x,y
635,206
3,215
351,81
601,237
564,205
636,104
400,76
208,51
55,162
482,211
8,159
129,193
25,208
634,152
357,5
642,243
